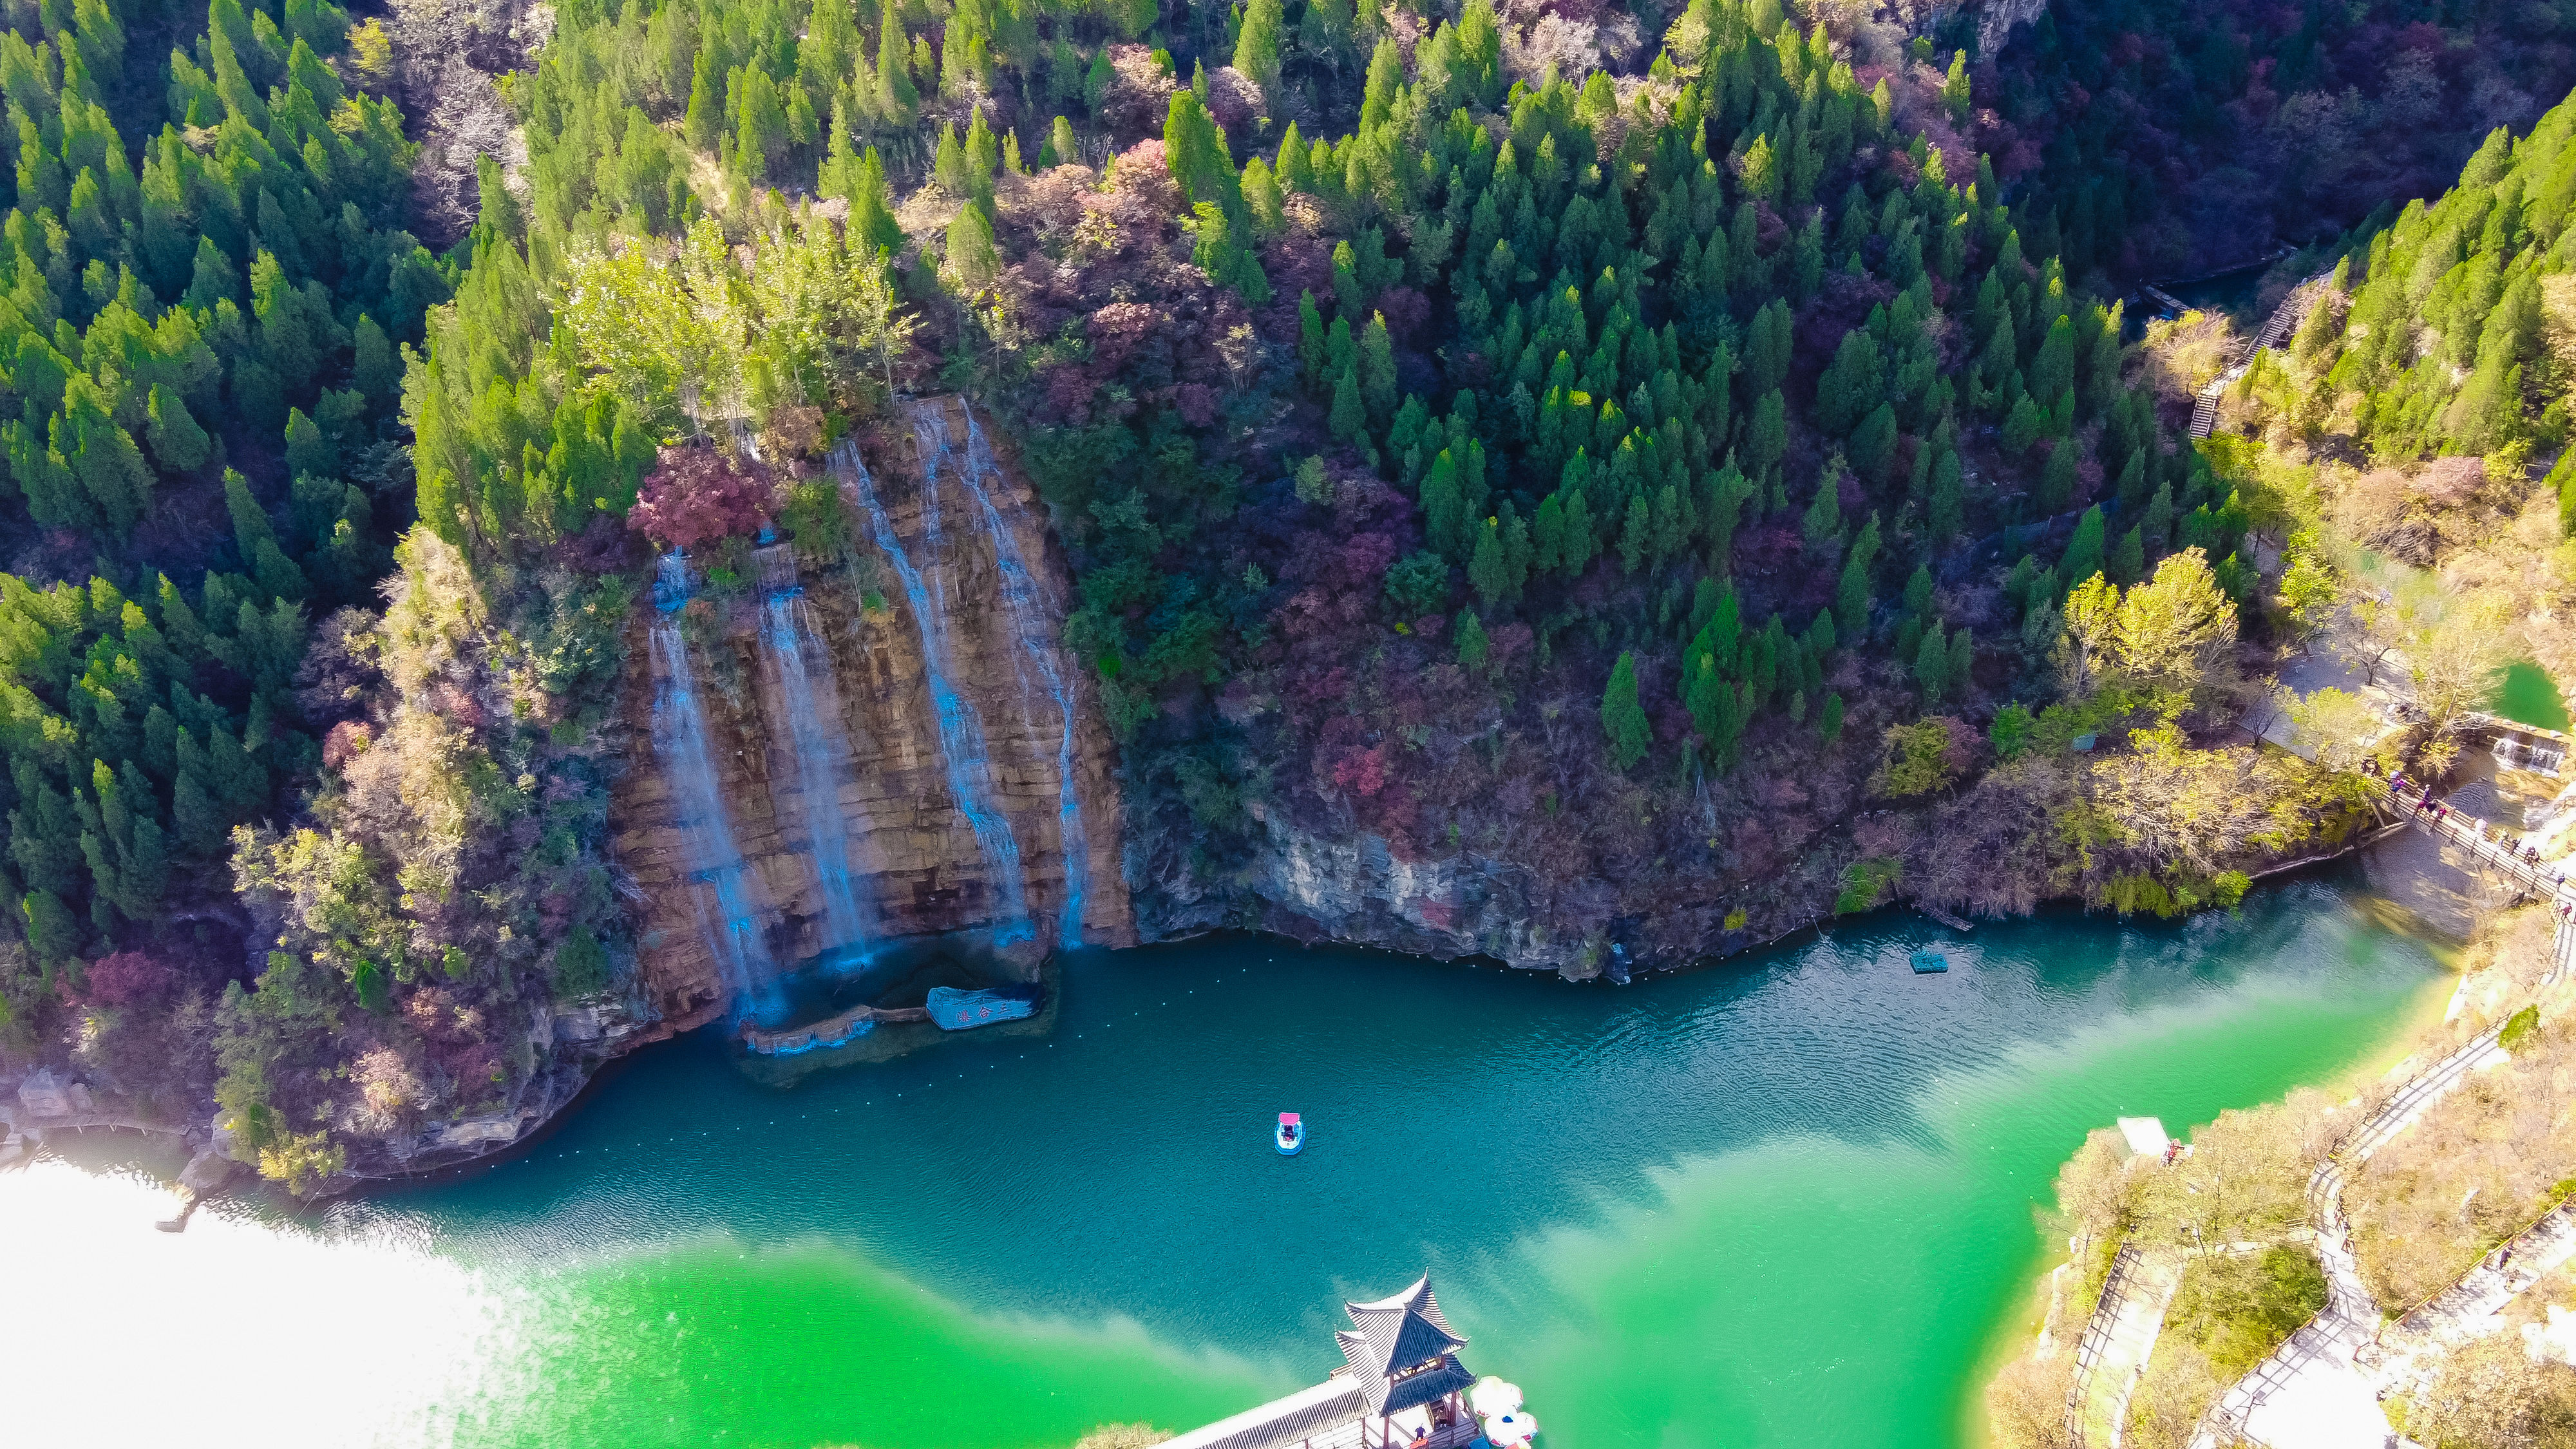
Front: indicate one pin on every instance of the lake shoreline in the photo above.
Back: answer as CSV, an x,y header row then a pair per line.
x,y
546,1125
1073,1211
2014,1332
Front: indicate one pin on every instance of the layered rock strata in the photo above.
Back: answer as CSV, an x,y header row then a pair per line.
x,y
917,866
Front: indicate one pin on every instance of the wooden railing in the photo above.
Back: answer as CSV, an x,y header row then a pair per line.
x,y
1382,1434
2518,868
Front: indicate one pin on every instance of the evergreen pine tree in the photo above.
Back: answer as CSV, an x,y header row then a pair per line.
x,y
1581,543
1948,509
1823,520
1767,348
179,445
1623,718
1547,535
308,452
2129,559
1918,591
2084,551
2026,426
1487,570
872,222
2160,512
375,367
703,122
1349,419
972,260
1766,437
1444,510
1636,534
1873,444
2057,480
1256,48
1851,592
1932,664
1472,644
896,95
1851,386
1954,88
102,456
1377,368
2053,372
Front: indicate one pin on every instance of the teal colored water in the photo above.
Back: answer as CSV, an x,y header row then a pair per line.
x,y
1779,1202
2527,695
2227,292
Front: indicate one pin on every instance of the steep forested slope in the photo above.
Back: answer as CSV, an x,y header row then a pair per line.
x,y
2157,140
2417,404
1657,486
2439,339
1621,428
207,284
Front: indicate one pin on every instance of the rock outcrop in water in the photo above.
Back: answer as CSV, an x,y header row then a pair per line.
x,y
951,695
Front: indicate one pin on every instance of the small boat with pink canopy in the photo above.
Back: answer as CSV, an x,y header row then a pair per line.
x,y
1292,1135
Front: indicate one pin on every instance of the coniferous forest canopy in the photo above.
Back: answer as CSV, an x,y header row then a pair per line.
x,y
1691,455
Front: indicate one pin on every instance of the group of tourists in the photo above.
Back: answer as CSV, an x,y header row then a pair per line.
x,y
2521,848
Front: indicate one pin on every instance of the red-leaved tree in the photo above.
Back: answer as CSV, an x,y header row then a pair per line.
x,y
121,979
694,496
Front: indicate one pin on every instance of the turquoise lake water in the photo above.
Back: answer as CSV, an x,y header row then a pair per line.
x,y
1783,1201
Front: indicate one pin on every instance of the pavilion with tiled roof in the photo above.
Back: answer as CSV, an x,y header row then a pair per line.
x,y
1400,1358
1403,1353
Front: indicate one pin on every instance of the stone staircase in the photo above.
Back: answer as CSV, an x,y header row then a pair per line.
x,y
2277,328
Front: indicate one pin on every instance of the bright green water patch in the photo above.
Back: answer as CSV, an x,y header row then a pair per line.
x,y
2527,695
1778,1203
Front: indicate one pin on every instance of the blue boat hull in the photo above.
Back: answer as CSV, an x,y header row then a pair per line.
x,y
955,1010
1291,1146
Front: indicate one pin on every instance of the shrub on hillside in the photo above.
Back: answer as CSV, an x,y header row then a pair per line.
x,y
696,496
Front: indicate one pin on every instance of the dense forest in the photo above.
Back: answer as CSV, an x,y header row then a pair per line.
x,y
2147,140
1653,453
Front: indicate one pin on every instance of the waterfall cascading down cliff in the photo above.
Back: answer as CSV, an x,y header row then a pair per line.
x,y
1028,609
680,740
886,742
961,729
809,687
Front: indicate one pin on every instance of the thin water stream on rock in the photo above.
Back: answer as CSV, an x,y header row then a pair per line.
x,y
680,739
961,729
809,690
1032,633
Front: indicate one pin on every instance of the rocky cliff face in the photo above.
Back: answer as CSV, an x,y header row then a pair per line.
x,y
1995,20
1315,883
917,865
